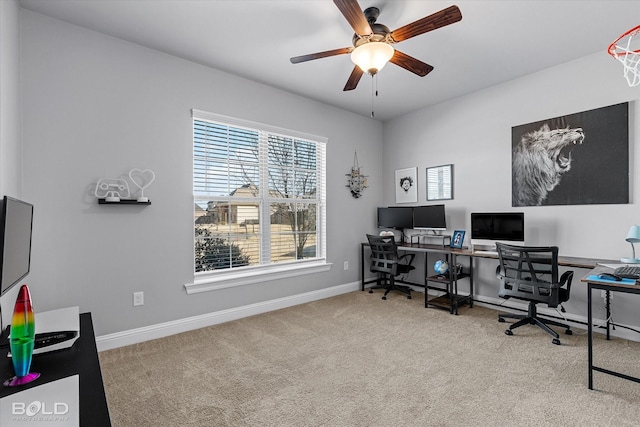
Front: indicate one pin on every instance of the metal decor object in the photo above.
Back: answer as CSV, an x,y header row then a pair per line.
x,y
357,181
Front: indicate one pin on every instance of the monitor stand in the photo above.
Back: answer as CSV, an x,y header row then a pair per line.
x,y
442,237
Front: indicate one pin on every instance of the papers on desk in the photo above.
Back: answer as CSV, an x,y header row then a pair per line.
x,y
54,404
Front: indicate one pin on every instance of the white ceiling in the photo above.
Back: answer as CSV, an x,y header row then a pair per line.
x,y
496,41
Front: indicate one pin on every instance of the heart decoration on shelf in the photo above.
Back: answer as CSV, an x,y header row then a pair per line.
x,y
142,179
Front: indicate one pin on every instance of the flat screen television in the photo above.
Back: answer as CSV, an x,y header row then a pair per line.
x,y
498,226
16,222
430,217
400,217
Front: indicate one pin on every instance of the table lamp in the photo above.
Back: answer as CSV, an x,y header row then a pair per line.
x,y
21,339
632,237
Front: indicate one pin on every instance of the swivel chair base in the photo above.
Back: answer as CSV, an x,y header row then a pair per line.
x,y
403,289
531,318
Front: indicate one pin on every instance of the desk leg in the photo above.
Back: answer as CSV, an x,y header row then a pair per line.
x,y
608,305
362,266
590,335
470,281
426,282
454,296
454,286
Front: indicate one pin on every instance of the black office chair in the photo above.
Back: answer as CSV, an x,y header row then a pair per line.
x,y
388,265
531,274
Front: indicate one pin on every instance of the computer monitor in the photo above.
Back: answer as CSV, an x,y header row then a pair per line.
x,y
400,217
15,242
429,217
498,226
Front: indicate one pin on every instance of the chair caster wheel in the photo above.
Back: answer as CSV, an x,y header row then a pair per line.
x,y
508,332
370,291
384,298
568,332
408,296
556,341
501,320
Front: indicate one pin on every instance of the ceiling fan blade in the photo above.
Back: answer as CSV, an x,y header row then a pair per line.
x,y
410,63
440,19
352,12
354,78
311,56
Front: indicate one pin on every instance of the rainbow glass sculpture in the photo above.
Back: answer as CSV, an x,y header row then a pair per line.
x,y
22,335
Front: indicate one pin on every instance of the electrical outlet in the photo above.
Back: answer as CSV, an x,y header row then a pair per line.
x,y
138,298
346,265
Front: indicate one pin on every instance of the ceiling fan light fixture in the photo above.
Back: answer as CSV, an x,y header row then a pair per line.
x,y
372,56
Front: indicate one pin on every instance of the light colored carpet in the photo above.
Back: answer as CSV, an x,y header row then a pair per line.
x,y
355,360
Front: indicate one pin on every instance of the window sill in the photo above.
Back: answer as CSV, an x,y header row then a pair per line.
x,y
225,280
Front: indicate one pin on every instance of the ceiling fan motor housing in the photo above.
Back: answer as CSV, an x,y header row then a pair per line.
x,y
380,31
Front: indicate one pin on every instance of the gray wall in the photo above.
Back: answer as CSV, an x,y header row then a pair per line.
x,y
474,133
10,137
10,154
95,106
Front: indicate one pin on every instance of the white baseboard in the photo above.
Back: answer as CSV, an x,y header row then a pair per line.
x,y
138,335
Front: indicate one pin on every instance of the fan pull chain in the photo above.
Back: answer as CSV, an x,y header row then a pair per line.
x,y
374,90
372,114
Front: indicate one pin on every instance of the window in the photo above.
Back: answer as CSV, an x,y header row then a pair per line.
x,y
259,198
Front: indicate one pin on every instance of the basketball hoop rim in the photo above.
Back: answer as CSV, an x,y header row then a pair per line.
x,y
612,47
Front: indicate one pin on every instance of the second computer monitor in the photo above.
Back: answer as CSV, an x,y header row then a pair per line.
x,y
430,217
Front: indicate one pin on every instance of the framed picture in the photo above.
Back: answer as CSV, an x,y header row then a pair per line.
x,y
440,182
457,239
550,164
406,185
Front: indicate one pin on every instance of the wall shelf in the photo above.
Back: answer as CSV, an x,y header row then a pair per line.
x,y
124,202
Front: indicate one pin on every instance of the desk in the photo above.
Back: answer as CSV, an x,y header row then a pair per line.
x,y
564,261
451,300
451,254
80,359
609,287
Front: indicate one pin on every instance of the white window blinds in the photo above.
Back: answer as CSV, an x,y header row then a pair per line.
x,y
259,194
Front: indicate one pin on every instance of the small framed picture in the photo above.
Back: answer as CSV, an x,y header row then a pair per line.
x,y
440,182
406,181
457,239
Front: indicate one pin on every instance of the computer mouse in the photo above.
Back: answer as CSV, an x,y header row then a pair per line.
x,y
609,276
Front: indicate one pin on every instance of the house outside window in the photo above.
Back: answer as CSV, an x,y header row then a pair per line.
x,y
259,200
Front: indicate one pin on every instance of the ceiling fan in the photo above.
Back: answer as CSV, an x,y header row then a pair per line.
x,y
372,42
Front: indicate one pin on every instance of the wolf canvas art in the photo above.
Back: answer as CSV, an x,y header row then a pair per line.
x,y
580,158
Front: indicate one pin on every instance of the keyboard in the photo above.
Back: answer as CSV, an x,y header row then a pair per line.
x,y
628,272
486,252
